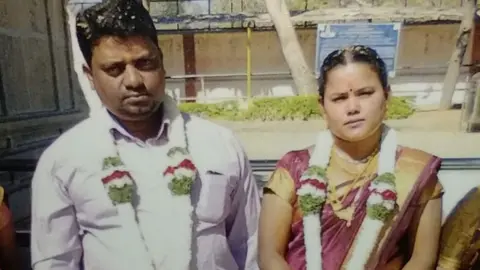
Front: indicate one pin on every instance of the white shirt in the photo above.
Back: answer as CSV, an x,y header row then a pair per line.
x,y
74,222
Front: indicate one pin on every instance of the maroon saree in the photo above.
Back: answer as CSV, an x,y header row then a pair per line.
x,y
416,183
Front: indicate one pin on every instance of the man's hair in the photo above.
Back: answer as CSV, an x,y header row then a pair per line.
x,y
353,54
116,18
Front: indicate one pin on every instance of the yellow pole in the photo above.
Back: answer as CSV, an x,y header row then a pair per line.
x,y
249,63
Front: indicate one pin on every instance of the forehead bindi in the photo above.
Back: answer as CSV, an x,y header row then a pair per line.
x,y
351,77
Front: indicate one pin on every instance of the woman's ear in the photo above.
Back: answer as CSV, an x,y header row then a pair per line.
x,y
321,106
388,95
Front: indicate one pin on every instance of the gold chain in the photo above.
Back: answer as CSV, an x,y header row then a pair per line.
x,y
334,198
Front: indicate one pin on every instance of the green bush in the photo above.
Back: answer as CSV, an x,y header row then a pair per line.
x,y
281,108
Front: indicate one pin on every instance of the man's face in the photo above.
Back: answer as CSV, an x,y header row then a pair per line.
x,y
128,75
354,102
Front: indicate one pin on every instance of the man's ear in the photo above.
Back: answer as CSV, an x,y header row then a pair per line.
x,y
88,73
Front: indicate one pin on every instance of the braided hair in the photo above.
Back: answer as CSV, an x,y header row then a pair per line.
x,y
118,18
353,54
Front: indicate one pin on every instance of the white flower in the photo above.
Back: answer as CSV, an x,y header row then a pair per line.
x,y
390,205
169,177
176,159
304,177
381,187
374,198
310,176
310,189
183,172
121,182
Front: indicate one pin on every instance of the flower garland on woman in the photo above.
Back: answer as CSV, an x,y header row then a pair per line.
x,y
312,194
326,208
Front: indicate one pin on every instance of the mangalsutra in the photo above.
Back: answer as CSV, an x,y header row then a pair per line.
x,y
337,204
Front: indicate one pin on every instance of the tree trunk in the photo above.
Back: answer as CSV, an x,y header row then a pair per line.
x,y
463,37
303,77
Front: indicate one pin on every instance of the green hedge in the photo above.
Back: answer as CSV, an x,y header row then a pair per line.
x,y
281,108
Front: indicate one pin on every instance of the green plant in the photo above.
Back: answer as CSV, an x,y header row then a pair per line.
x,y
282,108
399,108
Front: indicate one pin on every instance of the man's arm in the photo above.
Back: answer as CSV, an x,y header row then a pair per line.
x,y
242,223
55,242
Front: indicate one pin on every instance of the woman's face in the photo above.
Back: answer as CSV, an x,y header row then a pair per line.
x,y
354,102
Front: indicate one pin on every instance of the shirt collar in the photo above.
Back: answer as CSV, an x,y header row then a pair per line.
x,y
118,130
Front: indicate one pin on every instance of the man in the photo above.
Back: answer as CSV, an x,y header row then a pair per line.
x,y
140,185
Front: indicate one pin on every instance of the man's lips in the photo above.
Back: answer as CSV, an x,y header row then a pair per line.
x,y
139,98
354,122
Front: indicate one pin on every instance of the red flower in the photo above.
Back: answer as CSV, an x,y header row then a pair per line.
x,y
187,164
169,170
389,195
115,175
317,184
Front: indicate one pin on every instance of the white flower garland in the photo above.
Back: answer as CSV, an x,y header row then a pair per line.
x,y
380,204
180,173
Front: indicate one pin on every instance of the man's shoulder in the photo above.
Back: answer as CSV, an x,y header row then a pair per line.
x,y
75,140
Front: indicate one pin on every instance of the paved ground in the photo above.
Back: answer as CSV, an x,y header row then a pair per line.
x,y
436,132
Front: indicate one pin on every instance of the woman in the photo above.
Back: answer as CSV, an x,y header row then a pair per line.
x,y
355,200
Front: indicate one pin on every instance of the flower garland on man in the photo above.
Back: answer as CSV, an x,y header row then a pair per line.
x,y
140,185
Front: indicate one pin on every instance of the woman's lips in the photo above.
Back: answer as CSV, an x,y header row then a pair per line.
x,y
355,123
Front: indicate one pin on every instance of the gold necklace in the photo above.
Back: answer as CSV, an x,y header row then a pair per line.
x,y
346,213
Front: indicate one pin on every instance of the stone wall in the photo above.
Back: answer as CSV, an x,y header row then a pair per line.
x,y
424,52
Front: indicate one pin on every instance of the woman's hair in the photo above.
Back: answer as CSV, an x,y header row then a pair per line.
x,y
352,54
117,18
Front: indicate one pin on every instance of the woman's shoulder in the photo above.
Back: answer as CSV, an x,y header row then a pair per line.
x,y
417,156
294,157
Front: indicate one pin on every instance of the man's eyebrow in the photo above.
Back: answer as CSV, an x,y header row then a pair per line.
x,y
109,63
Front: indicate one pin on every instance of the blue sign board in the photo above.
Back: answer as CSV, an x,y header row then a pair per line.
x,y
381,37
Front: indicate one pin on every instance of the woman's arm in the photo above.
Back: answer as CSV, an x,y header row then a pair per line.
x,y
274,231
427,237
275,220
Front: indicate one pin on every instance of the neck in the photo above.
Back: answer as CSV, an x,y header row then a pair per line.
x,y
360,150
147,128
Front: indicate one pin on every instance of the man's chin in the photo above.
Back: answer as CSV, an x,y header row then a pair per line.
x,y
137,114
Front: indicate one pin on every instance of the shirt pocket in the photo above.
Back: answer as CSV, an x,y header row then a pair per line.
x,y
214,203
93,205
